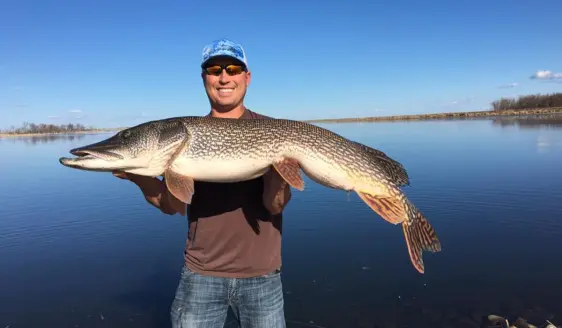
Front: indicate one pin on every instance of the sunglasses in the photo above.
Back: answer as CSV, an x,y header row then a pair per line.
x,y
230,69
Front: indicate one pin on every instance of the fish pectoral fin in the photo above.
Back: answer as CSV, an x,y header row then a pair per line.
x,y
177,204
180,186
290,171
388,207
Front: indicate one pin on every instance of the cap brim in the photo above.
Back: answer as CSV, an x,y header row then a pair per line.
x,y
223,56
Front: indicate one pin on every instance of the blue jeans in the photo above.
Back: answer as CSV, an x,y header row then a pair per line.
x,y
203,301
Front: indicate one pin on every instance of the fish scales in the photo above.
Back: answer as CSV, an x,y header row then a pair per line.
x,y
259,139
185,149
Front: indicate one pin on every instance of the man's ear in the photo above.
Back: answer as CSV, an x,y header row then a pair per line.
x,y
248,78
203,76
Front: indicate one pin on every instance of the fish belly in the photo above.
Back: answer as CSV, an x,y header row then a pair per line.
x,y
220,170
326,173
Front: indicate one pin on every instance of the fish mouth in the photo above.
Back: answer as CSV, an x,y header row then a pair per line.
x,y
93,159
97,153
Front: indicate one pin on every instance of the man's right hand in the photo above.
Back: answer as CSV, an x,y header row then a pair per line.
x,y
142,181
154,191
121,175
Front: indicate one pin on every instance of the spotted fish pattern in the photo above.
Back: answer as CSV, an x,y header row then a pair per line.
x,y
188,149
325,157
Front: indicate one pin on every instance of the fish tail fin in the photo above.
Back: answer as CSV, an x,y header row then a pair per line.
x,y
420,236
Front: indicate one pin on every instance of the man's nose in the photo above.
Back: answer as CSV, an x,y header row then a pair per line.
x,y
223,78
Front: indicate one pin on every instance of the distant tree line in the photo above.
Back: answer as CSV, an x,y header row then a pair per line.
x,y
529,102
33,128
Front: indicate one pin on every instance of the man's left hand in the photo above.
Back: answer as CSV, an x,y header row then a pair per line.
x,y
276,192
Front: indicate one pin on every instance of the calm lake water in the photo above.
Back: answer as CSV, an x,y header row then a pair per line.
x,y
83,249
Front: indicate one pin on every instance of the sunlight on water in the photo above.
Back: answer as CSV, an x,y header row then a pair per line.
x,y
78,246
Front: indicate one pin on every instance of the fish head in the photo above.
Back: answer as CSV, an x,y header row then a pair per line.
x,y
145,149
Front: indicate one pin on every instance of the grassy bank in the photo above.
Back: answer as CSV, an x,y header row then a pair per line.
x,y
443,116
523,105
30,134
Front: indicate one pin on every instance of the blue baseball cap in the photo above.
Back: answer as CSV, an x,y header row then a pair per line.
x,y
223,47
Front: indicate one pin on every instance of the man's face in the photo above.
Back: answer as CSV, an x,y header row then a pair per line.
x,y
225,92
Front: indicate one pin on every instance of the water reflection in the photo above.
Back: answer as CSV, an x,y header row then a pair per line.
x,y
551,121
491,193
33,140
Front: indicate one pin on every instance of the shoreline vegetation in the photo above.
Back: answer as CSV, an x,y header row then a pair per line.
x,y
524,105
32,129
443,116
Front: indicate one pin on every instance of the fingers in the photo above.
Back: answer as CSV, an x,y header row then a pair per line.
x,y
276,192
120,175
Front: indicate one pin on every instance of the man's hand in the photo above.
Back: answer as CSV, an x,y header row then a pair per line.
x,y
121,175
276,192
155,192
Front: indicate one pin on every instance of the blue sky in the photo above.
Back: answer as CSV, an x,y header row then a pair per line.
x,y
118,63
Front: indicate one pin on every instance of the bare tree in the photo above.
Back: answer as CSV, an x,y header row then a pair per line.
x,y
34,128
528,102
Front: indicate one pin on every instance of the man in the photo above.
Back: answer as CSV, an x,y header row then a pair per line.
x,y
233,250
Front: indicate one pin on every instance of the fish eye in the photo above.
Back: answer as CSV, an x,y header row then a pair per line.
x,y
126,134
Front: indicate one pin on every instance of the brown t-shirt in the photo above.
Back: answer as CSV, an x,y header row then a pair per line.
x,y
231,233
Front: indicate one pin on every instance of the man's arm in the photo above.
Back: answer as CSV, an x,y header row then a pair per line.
x,y
276,192
154,191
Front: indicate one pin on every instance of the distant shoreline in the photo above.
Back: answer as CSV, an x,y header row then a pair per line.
x,y
30,134
396,118
441,116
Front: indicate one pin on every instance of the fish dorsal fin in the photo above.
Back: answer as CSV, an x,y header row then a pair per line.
x,y
394,170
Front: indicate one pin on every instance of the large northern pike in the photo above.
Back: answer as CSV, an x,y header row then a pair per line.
x,y
184,149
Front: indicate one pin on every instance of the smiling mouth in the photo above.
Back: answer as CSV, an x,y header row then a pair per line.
x,y
225,91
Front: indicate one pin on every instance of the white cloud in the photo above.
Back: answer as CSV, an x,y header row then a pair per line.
x,y
75,111
547,75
